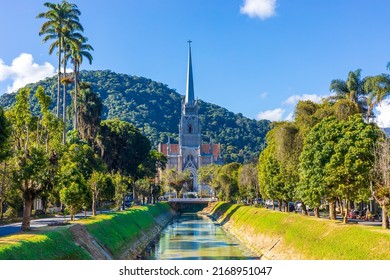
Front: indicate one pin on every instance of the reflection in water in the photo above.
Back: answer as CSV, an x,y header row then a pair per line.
x,y
195,237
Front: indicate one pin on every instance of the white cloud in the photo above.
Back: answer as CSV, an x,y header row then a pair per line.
x,y
272,115
259,8
383,114
292,100
263,95
23,70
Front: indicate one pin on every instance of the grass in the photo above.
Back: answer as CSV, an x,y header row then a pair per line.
x,y
114,230
46,245
313,238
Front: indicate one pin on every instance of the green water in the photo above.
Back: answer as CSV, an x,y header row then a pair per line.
x,y
196,237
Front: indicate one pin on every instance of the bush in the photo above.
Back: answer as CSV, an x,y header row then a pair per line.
x,y
11,214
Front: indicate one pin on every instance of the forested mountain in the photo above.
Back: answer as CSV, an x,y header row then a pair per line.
x,y
155,109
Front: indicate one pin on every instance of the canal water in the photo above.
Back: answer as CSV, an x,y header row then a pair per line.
x,y
195,237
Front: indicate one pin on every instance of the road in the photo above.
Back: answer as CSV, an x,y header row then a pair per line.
x,y
37,223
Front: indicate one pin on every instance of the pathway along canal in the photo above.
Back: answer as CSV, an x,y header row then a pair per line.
x,y
196,237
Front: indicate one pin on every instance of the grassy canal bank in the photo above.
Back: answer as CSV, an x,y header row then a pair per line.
x,y
102,237
278,235
270,234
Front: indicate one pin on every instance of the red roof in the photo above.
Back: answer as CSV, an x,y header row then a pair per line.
x,y
205,149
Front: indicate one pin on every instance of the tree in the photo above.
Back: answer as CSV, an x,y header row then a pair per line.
x,y
101,186
88,113
336,161
144,189
380,175
34,166
61,19
227,178
121,184
270,180
74,192
378,88
317,151
122,146
352,89
77,53
151,164
5,132
84,158
207,174
248,182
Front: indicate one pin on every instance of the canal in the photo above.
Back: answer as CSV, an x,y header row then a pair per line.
x,y
195,237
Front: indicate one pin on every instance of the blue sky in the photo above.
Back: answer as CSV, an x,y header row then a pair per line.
x,y
256,57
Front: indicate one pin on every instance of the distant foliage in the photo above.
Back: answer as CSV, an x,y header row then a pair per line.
x,y
155,109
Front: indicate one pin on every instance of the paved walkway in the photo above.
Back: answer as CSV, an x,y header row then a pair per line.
x,y
37,223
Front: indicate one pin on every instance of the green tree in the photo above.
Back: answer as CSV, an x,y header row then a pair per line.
x,y
74,192
380,176
317,151
122,146
144,189
207,175
5,132
227,178
248,182
350,165
378,88
77,53
151,164
88,113
352,89
101,186
336,161
34,166
5,152
121,184
270,178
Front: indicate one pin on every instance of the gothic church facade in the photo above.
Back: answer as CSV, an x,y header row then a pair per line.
x,y
190,153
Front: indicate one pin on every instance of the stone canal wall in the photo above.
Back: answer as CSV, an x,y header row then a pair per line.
x,y
277,235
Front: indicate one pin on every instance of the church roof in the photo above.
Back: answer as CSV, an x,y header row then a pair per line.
x,y
205,150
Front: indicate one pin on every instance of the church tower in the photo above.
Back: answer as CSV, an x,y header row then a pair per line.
x,y
190,137
190,128
190,153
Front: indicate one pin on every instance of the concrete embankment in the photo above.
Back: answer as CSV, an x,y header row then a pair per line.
x,y
277,235
118,235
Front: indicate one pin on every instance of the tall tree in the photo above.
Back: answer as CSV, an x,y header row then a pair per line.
x,y
101,186
352,89
88,113
61,19
227,178
122,147
77,53
248,182
380,176
378,88
5,152
34,165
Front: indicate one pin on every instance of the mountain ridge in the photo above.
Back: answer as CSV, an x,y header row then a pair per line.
x,y
155,109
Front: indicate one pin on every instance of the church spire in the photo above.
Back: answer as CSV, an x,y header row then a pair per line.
x,y
190,83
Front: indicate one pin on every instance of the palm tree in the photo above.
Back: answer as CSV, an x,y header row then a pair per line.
x,y
76,55
62,18
71,41
378,88
352,89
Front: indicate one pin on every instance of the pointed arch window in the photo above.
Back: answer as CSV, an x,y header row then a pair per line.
x,y
190,128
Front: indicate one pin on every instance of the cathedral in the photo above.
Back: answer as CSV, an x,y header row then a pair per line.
x,y
191,153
